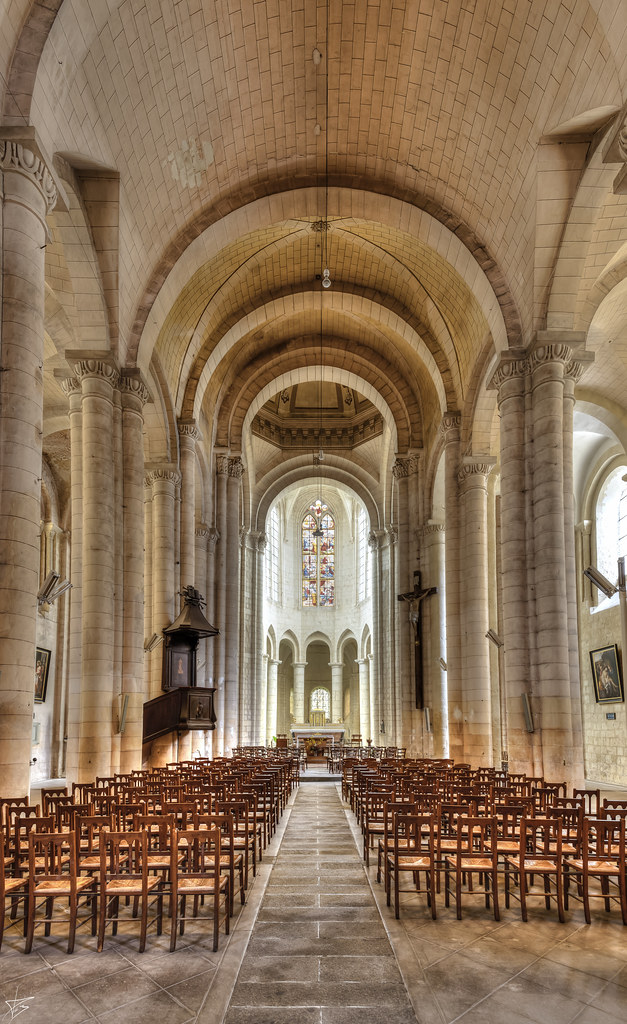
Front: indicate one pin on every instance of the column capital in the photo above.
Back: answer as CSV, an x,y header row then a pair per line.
x,y
584,527
69,385
166,473
406,466
222,465
202,530
100,367
430,528
133,387
188,428
514,365
20,152
480,466
451,425
213,537
236,467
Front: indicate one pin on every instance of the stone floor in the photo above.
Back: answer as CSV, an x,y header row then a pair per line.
x,y
316,943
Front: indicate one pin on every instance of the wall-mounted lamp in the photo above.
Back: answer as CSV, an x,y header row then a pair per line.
x,y
51,588
494,638
153,641
601,582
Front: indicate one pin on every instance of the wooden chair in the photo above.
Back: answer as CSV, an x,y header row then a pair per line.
x,y
198,876
540,853
124,872
413,851
13,889
591,801
244,838
476,853
231,861
390,809
87,829
52,875
602,858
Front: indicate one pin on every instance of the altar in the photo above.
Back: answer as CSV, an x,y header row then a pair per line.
x,y
330,734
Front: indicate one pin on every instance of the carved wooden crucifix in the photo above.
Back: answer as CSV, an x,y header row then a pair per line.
x,y
414,599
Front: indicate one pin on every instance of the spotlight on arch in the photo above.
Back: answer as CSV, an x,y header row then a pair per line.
x,y
600,581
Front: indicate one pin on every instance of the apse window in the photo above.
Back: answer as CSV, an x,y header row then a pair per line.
x,y
318,556
320,700
611,523
272,555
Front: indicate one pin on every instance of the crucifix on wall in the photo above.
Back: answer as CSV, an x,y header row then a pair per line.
x,y
414,599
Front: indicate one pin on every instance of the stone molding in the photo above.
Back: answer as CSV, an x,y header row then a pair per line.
x,y
14,156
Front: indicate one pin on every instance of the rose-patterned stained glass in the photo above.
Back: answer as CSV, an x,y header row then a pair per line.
x,y
318,556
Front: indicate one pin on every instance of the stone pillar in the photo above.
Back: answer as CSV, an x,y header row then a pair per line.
x,y
550,585
299,691
148,587
28,195
99,381
134,397
201,535
232,596
163,481
573,372
364,700
72,389
188,435
259,679
510,380
451,424
222,474
378,717
272,706
405,472
434,635
476,696
337,710
212,538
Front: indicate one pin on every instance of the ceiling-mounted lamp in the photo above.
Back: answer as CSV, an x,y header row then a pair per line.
x,y
326,278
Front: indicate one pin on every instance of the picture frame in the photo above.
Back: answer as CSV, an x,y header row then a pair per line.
x,y
42,667
606,675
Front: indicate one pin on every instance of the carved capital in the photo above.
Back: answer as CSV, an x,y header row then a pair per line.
x,y
451,425
431,528
404,467
222,465
508,370
557,352
202,530
15,156
236,468
575,370
70,386
133,387
86,368
188,428
159,473
474,468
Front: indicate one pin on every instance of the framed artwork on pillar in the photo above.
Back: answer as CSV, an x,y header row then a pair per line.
x,y
606,675
42,667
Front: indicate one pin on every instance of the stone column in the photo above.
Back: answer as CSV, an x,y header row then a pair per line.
x,y
299,691
476,696
28,195
148,588
337,710
188,435
405,472
376,709
451,425
510,380
212,538
434,635
272,705
222,474
259,679
364,700
573,373
232,596
99,381
201,535
72,389
163,481
134,397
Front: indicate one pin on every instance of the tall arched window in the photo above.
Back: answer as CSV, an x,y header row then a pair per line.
x,y
272,555
320,700
611,523
318,551
363,556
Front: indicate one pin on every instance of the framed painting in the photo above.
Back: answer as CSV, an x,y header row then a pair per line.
x,y
42,667
606,675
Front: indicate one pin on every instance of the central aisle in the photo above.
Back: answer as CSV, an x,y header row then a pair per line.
x,y
318,953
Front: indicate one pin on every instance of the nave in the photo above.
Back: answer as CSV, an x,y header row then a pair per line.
x,y
315,943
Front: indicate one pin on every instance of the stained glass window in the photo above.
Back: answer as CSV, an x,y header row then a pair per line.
x,y
318,554
320,700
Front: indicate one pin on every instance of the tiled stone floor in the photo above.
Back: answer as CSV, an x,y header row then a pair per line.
x,y
311,926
